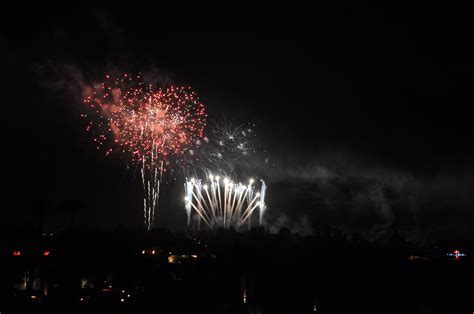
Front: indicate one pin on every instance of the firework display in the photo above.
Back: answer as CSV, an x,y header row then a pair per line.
x,y
221,203
153,127
229,146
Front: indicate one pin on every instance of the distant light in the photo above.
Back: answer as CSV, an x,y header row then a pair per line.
x,y
34,297
251,181
128,295
456,254
46,253
82,299
123,291
122,300
16,253
153,252
143,252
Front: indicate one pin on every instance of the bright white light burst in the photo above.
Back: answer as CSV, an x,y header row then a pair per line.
x,y
223,203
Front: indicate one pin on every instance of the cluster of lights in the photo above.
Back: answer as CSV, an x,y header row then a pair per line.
x,y
456,254
150,252
19,253
125,295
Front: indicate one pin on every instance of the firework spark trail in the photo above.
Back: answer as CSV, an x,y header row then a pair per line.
x,y
233,208
153,127
250,197
249,210
188,188
262,206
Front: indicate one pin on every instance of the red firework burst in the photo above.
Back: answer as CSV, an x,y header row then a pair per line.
x,y
147,124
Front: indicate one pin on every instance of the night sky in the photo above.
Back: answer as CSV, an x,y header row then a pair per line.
x,y
364,111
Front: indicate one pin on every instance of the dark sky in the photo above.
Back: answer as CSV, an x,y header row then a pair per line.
x,y
365,110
